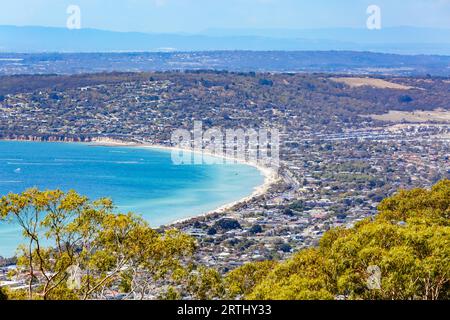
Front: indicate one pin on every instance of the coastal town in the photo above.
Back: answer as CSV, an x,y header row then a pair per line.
x,y
340,155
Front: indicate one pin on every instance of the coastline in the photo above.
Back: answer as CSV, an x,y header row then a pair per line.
x,y
270,175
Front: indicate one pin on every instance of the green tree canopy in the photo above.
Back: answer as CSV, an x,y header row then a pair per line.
x,y
3,295
78,249
407,245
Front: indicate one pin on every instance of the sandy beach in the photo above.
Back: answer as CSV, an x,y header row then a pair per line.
x,y
270,175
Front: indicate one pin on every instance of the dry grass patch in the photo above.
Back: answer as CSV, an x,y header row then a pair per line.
x,y
439,115
371,82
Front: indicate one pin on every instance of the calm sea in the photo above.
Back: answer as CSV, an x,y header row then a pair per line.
x,y
144,181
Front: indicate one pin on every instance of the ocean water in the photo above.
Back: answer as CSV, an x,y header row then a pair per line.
x,y
141,180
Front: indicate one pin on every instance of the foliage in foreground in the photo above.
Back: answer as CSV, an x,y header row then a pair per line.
x,y
408,242
2,294
77,249
94,251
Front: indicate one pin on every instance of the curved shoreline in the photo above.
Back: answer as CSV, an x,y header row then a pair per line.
x,y
270,175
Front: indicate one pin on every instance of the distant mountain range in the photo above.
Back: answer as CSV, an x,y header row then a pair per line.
x,y
401,40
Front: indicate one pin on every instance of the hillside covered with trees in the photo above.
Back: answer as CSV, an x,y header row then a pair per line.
x,y
409,241
402,253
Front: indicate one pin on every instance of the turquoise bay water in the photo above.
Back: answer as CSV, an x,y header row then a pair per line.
x,y
141,180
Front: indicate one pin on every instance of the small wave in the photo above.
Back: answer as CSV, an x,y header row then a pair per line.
x,y
11,181
101,177
127,162
97,161
35,163
74,160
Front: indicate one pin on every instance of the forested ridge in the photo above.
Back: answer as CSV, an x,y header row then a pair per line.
x,y
409,241
96,251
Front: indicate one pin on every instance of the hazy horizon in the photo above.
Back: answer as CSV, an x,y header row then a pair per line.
x,y
237,30
398,40
197,16
403,26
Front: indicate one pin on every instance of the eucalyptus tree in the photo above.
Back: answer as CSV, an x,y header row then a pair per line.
x,y
80,249
402,253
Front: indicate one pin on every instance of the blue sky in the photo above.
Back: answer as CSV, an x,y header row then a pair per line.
x,y
197,15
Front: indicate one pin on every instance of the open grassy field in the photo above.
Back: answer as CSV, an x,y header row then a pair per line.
x,y
439,115
355,82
